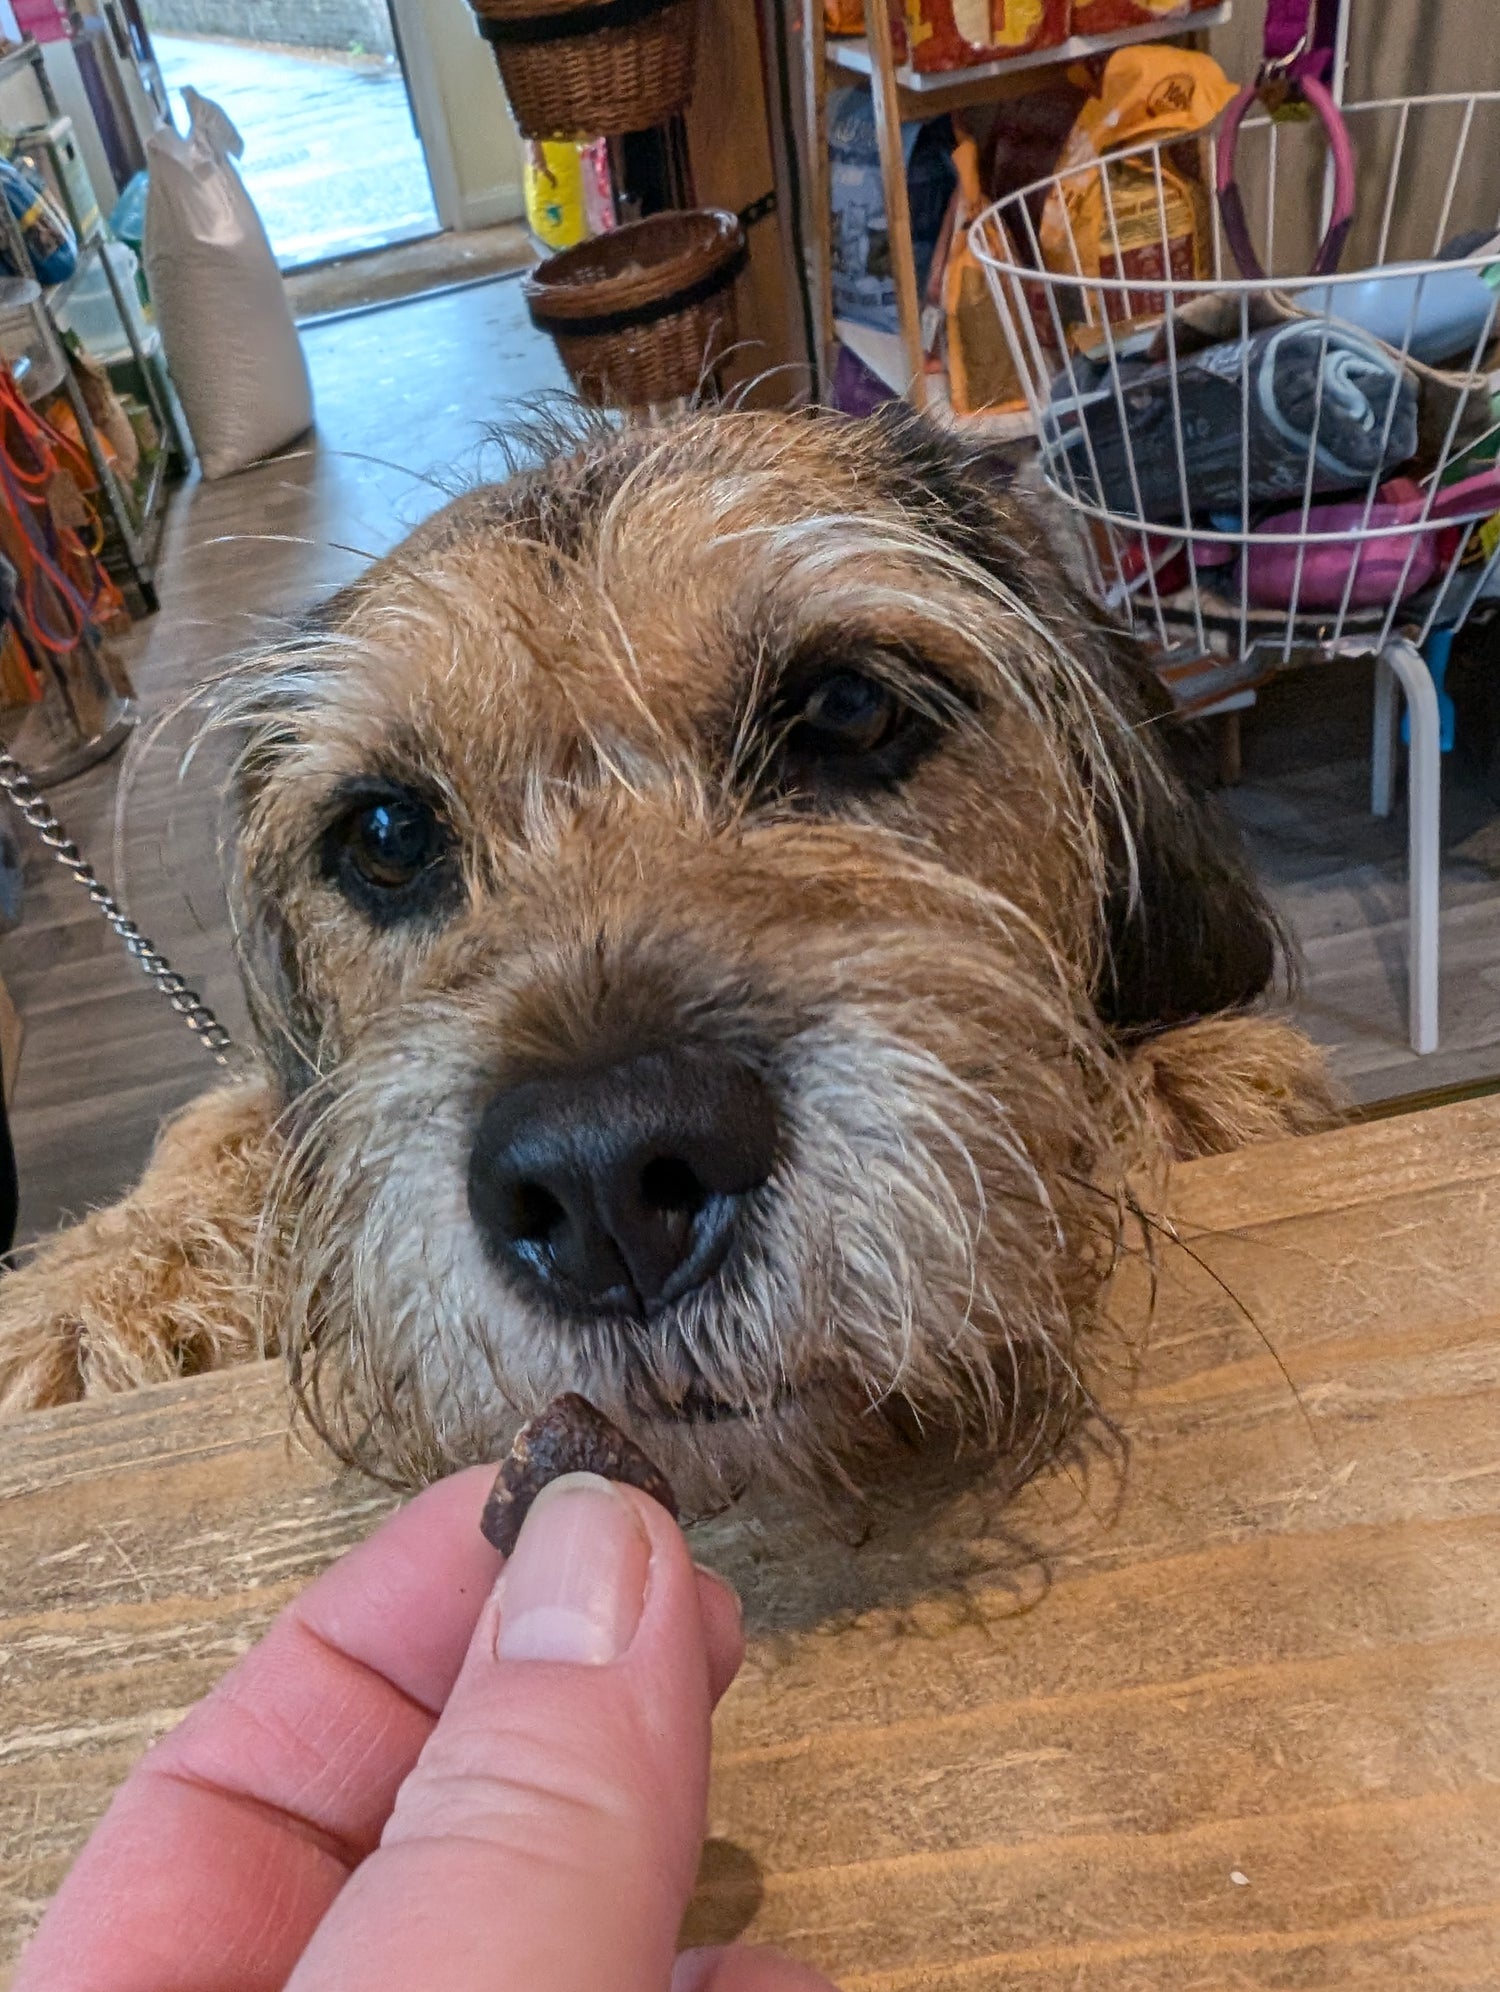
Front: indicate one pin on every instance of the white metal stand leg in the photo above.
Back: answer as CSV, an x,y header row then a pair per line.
x,y
1383,744
1402,660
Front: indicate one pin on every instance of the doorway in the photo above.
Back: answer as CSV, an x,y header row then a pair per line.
x,y
332,157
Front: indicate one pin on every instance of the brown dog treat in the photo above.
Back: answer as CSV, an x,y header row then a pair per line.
x,y
570,1436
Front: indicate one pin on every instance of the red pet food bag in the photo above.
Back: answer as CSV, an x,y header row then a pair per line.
x,y
1105,17
954,34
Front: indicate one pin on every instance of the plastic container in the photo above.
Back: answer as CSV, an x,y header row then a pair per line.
x,y
53,155
89,309
26,339
1445,310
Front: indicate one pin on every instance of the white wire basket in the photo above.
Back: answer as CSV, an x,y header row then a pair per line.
x,y
1267,470
1267,466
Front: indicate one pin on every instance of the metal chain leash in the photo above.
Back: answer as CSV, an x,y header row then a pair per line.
x,y
189,1005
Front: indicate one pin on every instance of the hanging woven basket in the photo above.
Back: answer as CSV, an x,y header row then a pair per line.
x,y
642,316
595,70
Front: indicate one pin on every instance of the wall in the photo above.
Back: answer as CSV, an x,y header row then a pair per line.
x,y
1396,47
730,150
341,24
473,150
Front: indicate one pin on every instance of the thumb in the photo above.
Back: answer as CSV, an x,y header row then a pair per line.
x,y
549,1834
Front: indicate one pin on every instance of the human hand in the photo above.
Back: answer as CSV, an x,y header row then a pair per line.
x,y
424,1778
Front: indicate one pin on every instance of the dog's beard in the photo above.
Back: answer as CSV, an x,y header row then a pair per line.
x,y
923,1263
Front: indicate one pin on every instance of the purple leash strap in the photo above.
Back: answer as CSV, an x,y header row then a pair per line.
x,y
1299,38
1298,52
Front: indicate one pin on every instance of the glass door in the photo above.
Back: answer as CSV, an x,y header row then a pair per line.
x,y
332,157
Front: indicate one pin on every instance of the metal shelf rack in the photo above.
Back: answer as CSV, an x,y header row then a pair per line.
x,y
136,515
952,89
899,93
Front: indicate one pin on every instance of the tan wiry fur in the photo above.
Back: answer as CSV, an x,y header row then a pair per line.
x,y
958,982
157,1286
1229,1081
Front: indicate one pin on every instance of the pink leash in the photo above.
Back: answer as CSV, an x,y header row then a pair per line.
x,y
1298,51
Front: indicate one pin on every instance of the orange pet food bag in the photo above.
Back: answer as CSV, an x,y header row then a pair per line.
x,y
981,371
1108,222
844,17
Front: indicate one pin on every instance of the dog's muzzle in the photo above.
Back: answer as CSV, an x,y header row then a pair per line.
x,y
619,1189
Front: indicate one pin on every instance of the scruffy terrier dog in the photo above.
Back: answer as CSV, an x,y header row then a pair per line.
x,y
722,932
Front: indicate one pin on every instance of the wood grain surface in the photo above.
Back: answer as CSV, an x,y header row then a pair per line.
x,y
1228,1718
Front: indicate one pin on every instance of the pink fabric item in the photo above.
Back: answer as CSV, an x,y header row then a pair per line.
x,y
1398,564
43,20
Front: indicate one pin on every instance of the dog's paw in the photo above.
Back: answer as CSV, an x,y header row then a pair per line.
x,y
1225,1082
153,1288
39,1352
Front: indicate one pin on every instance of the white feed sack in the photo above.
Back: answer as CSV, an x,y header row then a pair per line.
x,y
220,303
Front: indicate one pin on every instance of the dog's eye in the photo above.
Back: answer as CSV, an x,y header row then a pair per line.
x,y
846,714
842,732
390,842
387,853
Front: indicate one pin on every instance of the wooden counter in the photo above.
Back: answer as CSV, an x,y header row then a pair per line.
x,y
1237,1726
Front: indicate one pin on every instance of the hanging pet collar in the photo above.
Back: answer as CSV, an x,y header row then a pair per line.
x,y
1298,51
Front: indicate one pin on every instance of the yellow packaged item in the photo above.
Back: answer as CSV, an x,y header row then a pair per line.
x,y
1093,229
555,210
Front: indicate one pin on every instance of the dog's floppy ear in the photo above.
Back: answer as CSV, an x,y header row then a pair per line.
x,y
1187,931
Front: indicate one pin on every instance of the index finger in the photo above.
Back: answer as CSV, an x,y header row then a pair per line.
x,y
224,1849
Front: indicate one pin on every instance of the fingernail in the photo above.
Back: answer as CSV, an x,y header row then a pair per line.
x,y
695,1969
723,1584
575,1584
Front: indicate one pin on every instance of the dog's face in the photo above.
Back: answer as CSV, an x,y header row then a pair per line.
x,y
694,894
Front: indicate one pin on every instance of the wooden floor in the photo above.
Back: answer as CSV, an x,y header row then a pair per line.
x,y
1339,876
406,391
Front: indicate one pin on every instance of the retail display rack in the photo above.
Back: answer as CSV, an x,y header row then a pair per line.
x,y
136,513
901,93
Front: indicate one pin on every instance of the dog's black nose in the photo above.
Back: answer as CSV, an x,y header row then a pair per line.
x,y
617,1188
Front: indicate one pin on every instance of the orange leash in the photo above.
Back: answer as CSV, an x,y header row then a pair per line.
x,y
61,587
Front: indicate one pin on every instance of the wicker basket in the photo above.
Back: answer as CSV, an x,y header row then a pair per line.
x,y
643,316
595,70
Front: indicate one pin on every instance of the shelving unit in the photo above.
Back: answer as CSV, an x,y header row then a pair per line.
x,y
884,354
136,515
951,89
900,93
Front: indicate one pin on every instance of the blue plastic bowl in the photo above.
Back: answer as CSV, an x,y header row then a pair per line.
x,y
1450,313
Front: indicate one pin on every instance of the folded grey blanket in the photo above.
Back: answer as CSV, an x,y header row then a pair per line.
x,y
1256,398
